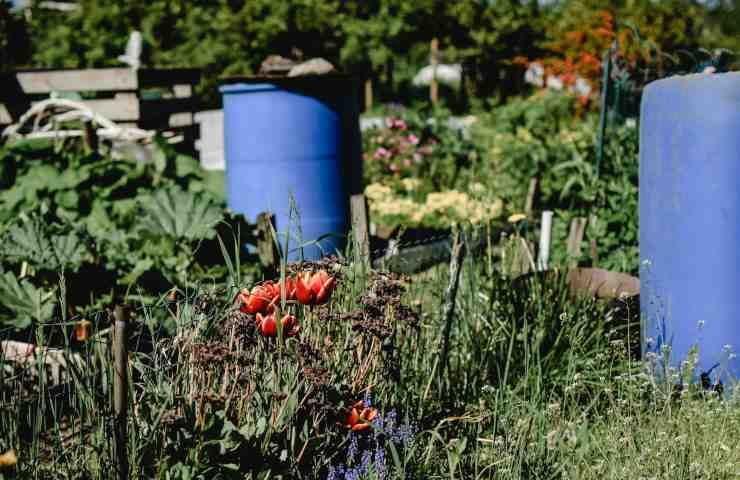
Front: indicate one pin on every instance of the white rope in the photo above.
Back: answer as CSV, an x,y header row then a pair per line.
x,y
46,120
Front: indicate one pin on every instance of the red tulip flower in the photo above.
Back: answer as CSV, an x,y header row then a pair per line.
x,y
314,289
360,416
255,301
267,325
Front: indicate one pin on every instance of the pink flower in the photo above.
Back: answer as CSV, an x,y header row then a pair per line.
x,y
417,157
407,162
381,153
395,123
413,139
393,167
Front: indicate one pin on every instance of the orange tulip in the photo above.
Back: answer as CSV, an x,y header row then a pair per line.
x,y
314,289
360,417
267,325
255,301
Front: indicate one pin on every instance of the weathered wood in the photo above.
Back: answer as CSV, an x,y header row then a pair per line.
x,y
180,119
434,85
266,248
5,117
368,94
120,389
602,283
575,238
358,208
183,90
92,80
450,295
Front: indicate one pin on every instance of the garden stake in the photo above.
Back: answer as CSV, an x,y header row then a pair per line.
x,y
358,207
120,390
545,232
448,308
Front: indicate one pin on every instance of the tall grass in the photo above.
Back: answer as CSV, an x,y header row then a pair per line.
x,y
539,384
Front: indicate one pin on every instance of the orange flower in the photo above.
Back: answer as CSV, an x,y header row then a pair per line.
x,y
360,416
255,301
314,289
267,325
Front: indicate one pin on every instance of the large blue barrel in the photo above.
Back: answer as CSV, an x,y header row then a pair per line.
x,y
690,223
294,138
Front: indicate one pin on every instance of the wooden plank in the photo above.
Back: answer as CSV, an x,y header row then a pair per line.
x,y
124,108
180,119
575,238
183,91
5,117
99,79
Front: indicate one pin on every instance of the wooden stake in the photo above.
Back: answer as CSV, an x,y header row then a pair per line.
x,y
358,208
120,389
266,250
575,237
433,87
368,94
531,193
448,307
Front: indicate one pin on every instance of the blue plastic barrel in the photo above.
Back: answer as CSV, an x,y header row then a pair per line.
x,y
690,224
294,137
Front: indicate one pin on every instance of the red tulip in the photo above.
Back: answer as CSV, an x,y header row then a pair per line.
x,y
257,300
267,325
360,417
314,289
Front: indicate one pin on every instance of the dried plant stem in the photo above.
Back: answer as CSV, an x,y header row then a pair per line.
x,y
448,307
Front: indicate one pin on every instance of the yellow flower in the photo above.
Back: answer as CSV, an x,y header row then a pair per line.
x,y
410,184
8,459
517,217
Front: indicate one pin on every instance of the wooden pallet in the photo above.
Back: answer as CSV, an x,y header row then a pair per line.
x,y
158,99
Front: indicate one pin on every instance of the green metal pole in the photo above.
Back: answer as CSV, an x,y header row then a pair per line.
x,y
606,67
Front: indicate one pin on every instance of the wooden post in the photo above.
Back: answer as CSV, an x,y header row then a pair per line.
x,y
266,249
120,390
358,208
433,87
575,237
531,193
368,94
448,307
545,233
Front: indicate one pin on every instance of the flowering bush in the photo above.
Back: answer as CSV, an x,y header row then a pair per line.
x,y
401,206
423,174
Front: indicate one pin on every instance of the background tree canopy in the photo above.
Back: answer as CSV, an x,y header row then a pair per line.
x,y
385,39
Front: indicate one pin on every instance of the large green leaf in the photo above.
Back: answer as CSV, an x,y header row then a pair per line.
x,y
181,215
25,302
41,246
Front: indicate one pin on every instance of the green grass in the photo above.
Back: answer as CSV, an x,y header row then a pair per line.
x,y
539,385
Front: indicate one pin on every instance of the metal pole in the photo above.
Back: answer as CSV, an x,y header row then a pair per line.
x,y
120,390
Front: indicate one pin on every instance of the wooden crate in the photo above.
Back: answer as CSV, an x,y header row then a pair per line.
x,y
157,99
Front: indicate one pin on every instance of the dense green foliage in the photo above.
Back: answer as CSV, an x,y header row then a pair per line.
x,y
536,384
111,227
541,137
385,39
